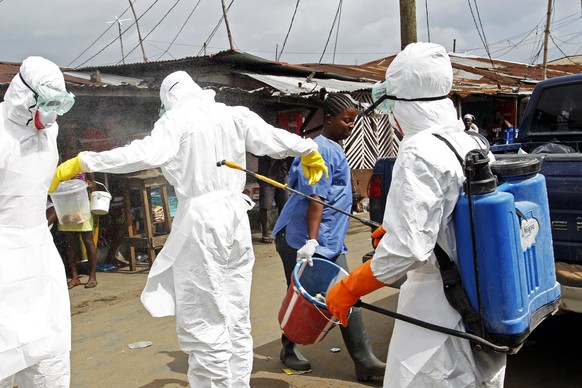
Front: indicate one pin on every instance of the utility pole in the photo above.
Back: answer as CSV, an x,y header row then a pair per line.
x,y
546,36
227,26
119,21
407,22
145,59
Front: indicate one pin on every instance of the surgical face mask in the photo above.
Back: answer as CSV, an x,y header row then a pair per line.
x,y
379,90
44,119
384,100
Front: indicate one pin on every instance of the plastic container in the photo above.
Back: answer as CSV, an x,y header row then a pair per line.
x,y
71,202
509,135
100,201
515,262
303,318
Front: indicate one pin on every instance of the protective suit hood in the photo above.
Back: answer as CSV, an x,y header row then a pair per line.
x,y
35,71
422,70
179,87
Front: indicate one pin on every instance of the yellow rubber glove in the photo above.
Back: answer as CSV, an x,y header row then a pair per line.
x,y
65,171
344,294
313,167
377,236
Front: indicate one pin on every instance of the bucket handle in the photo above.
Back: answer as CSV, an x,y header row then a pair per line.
x,y
99,183
301,290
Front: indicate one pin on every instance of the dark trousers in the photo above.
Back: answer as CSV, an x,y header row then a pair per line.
x,y
289,256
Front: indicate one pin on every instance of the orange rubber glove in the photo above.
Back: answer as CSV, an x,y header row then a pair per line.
x,y
377,236
344,294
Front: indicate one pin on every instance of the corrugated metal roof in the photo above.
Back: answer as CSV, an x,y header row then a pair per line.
x,y
296,85
108,79
471,74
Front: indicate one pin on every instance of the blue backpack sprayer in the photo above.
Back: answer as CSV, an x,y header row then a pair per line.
x,y
505,283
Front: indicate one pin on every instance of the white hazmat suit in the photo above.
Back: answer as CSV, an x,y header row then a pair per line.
x,y
426,184
203,273
35,324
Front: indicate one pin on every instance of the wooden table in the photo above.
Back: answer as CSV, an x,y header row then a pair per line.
x,y
144,181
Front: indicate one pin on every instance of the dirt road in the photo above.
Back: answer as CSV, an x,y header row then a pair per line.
x,y
109,317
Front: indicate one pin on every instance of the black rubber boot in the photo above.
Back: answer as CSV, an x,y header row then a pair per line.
x,y
291,357
358,345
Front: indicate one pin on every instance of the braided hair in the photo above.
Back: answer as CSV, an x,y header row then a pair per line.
x,y
335,103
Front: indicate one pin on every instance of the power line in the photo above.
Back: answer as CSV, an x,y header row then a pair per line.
x,y
288,31
95,41
181,28
156,26
482,36
427,25
205,45
337,30
330,31
114,40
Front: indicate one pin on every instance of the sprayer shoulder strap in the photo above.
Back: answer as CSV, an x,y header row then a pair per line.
x,y
452,283
448,143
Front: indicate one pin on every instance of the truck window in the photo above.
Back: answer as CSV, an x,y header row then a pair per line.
x,y
558,111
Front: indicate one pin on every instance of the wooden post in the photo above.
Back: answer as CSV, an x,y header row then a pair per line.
x,y
227,26
407,22
145,59
546,36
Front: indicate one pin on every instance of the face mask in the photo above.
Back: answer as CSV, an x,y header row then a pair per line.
x,y
44,119
379,90
383,99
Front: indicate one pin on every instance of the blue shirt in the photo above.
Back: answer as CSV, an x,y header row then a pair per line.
x,y
335,190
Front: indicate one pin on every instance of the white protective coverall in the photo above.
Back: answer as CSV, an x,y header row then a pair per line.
x,y
426,183
203,273
35,323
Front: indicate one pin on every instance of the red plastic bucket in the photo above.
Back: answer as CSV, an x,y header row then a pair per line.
x,y
304,319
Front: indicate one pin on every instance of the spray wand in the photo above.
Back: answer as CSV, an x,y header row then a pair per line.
x,y
270,181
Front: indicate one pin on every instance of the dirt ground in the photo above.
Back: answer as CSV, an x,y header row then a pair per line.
x,y
108,318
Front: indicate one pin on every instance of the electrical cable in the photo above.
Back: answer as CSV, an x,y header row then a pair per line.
x,y
153,29
337,30
123,32
330,32
95,41
481,33
179,32
288,31
427,25
214,31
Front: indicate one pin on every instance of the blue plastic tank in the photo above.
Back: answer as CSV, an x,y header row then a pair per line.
x,y
514,287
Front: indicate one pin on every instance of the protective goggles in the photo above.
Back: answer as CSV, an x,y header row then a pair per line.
x,y
384,101
49,99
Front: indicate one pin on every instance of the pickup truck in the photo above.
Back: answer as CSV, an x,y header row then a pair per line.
x,y
550,130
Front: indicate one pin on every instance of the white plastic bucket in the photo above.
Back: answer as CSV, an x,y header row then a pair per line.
x,y
71,202
100,201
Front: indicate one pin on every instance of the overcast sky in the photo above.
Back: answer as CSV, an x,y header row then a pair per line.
x,y
75,33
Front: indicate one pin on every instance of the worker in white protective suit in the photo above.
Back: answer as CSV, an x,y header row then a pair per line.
x,y
35,317
203,273
426,184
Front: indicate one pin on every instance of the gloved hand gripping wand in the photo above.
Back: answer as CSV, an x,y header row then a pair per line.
x,y
270,181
